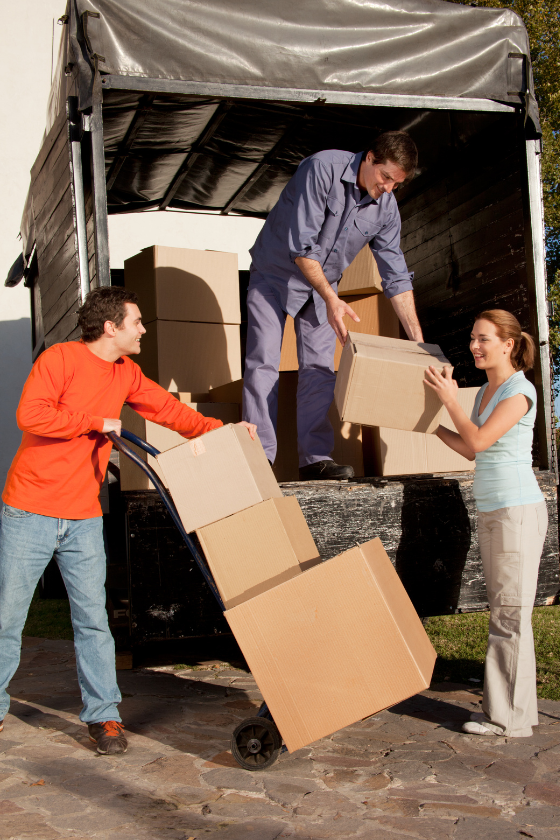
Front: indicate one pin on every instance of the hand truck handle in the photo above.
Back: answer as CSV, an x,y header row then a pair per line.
x,y
118,443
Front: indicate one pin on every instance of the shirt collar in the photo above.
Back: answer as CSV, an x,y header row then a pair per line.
x,y
350,175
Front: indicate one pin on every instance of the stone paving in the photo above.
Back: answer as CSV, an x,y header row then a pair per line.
x,y
405,773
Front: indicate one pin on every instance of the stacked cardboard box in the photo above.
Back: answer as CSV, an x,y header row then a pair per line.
x,y
296,619
190,307
133,477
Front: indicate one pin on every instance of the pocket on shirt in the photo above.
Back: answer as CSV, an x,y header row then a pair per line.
x,y
367,228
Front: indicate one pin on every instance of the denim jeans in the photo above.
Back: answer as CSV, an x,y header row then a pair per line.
x,y
27,543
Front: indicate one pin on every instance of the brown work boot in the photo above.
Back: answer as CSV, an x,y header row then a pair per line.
x,y
1,725
109,737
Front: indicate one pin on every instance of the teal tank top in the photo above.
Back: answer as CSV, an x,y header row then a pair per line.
x,y
504,474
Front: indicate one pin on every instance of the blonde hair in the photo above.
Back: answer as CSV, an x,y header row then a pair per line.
x,y
507,326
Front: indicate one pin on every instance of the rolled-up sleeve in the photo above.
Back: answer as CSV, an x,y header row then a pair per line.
x,y
385,246
312,183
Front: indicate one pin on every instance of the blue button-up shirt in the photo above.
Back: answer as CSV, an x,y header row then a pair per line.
x,y
322,215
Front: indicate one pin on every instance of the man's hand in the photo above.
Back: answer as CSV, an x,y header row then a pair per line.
x,y
336,310
251,428
110,425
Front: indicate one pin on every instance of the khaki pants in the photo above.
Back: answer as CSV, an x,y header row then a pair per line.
x,y
511,542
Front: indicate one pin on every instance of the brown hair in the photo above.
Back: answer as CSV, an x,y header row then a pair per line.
x,y
399,148
507,326
103,304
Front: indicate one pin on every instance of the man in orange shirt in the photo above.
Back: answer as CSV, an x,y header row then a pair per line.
x,y
71,400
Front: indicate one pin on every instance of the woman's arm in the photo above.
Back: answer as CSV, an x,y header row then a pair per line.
x,y
455,442
504,417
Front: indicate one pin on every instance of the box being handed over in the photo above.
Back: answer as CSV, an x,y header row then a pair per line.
x,y
380,382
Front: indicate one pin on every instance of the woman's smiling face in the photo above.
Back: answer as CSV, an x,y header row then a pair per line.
x,y
487,347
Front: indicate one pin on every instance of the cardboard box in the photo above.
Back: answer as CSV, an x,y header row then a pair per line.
x,y
408,453
333,645
380,382
181,356
377,317
258,548
133,477
362,275
232,392
179,284
217,475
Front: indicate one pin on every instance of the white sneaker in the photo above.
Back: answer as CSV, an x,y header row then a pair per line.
x,y
473,727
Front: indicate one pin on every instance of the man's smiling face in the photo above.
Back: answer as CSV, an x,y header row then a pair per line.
x,y
378,178
131,330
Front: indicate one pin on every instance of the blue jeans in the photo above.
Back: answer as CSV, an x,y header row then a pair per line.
x,y
27,543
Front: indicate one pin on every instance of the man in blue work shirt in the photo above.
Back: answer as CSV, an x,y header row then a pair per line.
x,y
336,203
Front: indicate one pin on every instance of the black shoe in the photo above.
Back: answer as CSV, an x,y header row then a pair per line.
x,y
325,471
109,737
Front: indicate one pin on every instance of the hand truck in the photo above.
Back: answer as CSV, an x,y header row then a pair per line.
x,y
256,743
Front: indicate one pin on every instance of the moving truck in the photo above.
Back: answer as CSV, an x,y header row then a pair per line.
x,y
212,110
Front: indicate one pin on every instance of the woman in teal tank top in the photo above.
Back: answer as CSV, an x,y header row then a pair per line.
x,y
512,516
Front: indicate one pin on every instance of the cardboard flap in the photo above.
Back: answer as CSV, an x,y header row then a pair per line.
x,y
258,463
401,608
398,349
298,531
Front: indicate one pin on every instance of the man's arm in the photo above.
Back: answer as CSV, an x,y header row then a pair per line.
x,y
336,308
38,410
154,403
403,305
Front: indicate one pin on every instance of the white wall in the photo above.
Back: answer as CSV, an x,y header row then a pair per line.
x,y
22,114
130,232
27,31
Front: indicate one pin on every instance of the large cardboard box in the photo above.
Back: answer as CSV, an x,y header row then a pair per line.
x,y
377,317
349,617
380,382
408,453
258,548
180,284
181,356
362,275
133,477
217,475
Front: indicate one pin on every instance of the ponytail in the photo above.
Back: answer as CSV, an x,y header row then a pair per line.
x,y
507,326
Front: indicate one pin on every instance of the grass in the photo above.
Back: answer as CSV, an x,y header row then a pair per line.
x,y
460,642
48,619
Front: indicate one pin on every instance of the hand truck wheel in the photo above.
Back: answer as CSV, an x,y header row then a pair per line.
x,y
256,743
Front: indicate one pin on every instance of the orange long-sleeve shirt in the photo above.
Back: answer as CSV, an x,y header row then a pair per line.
x,y
62,459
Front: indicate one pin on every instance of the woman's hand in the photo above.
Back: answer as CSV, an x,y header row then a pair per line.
x,y
443,384
251,428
